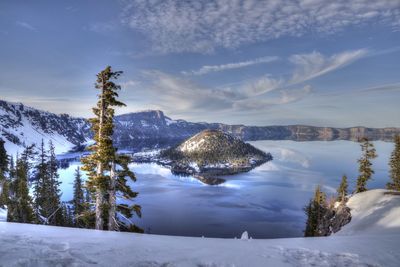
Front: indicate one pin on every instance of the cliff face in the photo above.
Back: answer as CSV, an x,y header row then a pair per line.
x,y
334,219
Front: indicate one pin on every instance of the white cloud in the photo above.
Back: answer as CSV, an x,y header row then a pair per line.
x,y
129,84
25,25
177,94
203,26
261,86
309,66
285,96
216,68
101,27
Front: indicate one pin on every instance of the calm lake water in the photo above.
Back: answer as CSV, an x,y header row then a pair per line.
x,y
267,201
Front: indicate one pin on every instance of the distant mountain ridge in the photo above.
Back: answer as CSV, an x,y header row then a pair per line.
x,y
21,125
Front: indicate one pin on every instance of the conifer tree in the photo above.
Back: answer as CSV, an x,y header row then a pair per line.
x,y
78,202
315,210
395,166
342,189
365,165
47,194
22,210
104,180
41,186
11,202
4,182
55,207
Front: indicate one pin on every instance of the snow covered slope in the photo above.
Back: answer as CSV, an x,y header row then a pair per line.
x,y
36,245
374,212
21,125
372,238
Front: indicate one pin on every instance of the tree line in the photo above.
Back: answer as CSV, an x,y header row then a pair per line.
x,y
319,204
94,203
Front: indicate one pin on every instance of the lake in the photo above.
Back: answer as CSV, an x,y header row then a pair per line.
x,y
267,201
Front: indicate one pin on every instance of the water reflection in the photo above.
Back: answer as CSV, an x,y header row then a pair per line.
x,y
267,201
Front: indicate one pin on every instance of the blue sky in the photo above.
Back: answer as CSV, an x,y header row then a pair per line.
x,y
327,63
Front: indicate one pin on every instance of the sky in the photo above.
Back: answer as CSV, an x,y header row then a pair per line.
x,y
279,62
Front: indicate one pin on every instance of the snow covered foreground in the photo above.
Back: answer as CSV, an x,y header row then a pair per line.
x,y
371,239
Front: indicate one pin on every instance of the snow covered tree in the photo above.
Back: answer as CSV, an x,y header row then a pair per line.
x,y
104,178
315,210
395,166
365,165
342,189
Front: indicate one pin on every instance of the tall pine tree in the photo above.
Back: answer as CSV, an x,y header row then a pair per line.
x,y
78,203
395,166
55,207
342,189
365,165
314,211
104,178
41,186
4,181
22,210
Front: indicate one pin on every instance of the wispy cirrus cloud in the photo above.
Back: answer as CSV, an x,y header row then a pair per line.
x,y
25,25
180,95
174,94
312,65
203,26
229,66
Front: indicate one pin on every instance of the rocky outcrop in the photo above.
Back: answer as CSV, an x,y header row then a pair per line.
x,y
334,219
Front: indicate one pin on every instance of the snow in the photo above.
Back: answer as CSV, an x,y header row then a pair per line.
x,y
3,214
37,245
149,153
245,236
168,121
374,212
27,131
372,238
192,145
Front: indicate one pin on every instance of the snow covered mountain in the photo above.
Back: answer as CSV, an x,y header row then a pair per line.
x,y
372,238
21,125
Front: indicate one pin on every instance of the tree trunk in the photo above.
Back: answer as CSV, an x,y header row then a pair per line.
x,y
99,191
99,209
112,226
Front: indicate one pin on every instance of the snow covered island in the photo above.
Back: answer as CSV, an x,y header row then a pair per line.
x,y
212,153
372,238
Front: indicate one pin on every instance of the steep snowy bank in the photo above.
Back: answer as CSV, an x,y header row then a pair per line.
x,y
373,212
